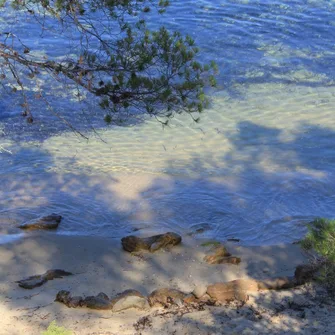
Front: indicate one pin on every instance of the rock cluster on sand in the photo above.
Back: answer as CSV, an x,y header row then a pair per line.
x,y
133,243
124,300
218,293
45,222
38,280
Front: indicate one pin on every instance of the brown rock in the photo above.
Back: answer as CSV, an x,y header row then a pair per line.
x,y
166,297
38,280
279,283
233,290
46,222
222,260
220,255
223,293
153,243
190,299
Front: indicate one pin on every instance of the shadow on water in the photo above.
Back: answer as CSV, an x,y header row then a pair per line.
x,y
257,42
261,165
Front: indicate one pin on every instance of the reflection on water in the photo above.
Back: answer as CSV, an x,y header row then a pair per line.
x,y
258,167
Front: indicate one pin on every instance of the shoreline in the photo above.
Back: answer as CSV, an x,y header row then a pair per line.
x,y
100,265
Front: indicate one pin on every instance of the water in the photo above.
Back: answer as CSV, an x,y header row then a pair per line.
x,y
259,166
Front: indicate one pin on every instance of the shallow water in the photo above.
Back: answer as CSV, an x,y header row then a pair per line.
x,y
259,166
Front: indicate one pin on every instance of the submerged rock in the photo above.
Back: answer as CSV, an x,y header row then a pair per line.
x,y
153,243
46,222
220,255
39,280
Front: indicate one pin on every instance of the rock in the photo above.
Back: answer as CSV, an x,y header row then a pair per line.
x,y
279,283
225,260
166,297
32,282
65,298
100,301
129,299
220,293
216,253
190,299
153,243
233,290
39,280
46,222
199,291
220,255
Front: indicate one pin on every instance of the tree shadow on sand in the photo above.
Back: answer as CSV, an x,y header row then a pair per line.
x,y
225,192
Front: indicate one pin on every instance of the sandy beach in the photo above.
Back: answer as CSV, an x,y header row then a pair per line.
x,y
100,265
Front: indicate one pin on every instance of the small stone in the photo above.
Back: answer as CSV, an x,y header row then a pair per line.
x,y
199,291
46,222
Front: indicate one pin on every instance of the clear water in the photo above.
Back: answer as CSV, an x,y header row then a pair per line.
x,y
259,166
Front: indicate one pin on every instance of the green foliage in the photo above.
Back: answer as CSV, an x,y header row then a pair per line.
x,y
321,238
135,69
53,329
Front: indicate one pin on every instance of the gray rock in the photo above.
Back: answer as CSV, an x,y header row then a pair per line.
x,y
200,291
39,280
100,301
46,222
129,299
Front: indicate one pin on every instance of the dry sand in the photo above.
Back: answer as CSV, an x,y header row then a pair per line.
x,y
100,265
